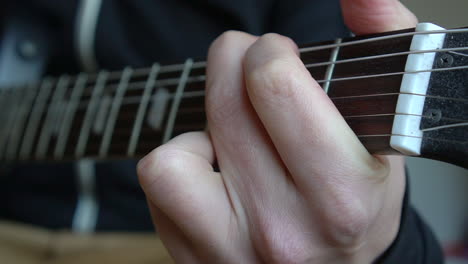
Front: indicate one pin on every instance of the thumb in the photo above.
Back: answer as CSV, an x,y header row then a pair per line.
x,y
374,16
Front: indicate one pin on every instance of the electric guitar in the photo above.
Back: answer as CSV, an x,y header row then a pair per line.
x,y
403,92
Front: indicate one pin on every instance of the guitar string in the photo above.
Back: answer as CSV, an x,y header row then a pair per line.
x,y
199,78
444,127
387,37
441,69
379,75
459,53
200,112
387,55
200,95
202,64
375,76
200,127
124,142
156,140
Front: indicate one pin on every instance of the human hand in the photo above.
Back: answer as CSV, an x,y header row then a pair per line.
x,y
295,184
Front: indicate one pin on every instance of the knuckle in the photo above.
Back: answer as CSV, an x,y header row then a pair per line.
x,y
274,37
282,243
159,165
274,81
348,224
225,40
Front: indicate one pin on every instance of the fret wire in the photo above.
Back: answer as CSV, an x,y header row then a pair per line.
x,y
113,114
176,101
12,111
46,131
142,109
331,67
90,111
140,85
69,115
17,132
142,72
33,123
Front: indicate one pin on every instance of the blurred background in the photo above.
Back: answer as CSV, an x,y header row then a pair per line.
x,y
440,191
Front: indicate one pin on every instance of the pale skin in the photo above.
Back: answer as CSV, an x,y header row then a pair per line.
x,y
295,184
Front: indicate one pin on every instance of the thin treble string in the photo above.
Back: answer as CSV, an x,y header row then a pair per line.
x,y
388,37
391,74
381,56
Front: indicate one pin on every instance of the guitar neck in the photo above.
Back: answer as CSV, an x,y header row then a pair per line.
x,y
126,114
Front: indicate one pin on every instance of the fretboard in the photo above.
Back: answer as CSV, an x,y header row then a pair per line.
x,y
126,114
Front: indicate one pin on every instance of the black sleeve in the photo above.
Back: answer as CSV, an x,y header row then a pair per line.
x,y
415,242
308,21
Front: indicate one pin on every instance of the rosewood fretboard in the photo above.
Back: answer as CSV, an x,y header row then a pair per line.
x,y
129,113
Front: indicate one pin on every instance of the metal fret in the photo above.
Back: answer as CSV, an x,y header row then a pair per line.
x,y
106,139
13,108
51,116
331,67
156,112
69,115
177,98
90,112
33,122
150,84
18,129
